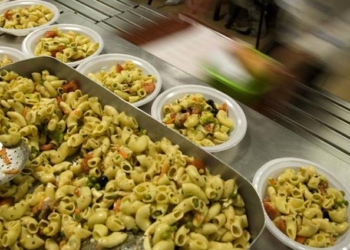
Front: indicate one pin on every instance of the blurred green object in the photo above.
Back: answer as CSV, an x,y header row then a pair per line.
x,y
246,93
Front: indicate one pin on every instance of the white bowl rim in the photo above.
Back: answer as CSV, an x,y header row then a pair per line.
x,y
13,52
125,57
268,170
240,126
75,27
21,32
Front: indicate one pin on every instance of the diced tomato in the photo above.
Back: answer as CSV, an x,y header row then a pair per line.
x,y
84,165
70,86
59,100
171,120
281,225
116,205
209,127
149,87
199,165
271,211
119,68
323,186
11,171
46,147
4,156
50,34
6,201
8,15
267,199
300,239
223,107
165,169
60,48
53,53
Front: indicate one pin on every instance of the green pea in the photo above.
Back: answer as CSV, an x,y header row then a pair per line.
x,y
147,196
135,230
89,184
165,235
342,192
93,179
339,202
346,203
77,217
189,224
195,202
157,213
97,186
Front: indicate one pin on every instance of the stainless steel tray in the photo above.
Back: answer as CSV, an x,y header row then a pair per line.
x,y
156,131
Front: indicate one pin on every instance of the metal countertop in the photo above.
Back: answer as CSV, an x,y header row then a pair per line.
x,y
265,139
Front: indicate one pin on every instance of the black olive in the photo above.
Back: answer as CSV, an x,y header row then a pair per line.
x,y
214,111
102,180
211,102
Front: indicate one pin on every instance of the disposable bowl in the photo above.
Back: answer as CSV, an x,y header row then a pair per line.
x,y
23,4
235,112
29,43
273,169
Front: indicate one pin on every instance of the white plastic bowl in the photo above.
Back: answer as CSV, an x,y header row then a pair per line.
x,y
23,32
276,167
14,54
104,62
235,112
29,43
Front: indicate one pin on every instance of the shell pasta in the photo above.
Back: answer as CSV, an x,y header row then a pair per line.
x,y
67,46
126,80
24,18
93,173
305,208
202,121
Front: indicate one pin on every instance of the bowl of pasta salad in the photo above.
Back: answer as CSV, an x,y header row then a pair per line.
x,y
10,55
204,115
19,18
131,78
305,206
69,43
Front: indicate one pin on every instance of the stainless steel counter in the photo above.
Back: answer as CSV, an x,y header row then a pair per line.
x,y
265,139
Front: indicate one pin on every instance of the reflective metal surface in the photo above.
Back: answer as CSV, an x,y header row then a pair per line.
x,y
315,136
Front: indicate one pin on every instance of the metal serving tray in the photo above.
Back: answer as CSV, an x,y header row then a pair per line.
x,y
156,131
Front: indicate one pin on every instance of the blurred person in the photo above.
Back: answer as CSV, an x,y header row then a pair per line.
x,y
312,33
244,17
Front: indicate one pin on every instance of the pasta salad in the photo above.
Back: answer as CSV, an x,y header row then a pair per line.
x,y
24,18
202,121
305,208
126,80
67,46
5,60
120,180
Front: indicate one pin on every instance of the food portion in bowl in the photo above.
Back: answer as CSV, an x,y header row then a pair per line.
x,y
25,17
5,60
126,80
303,206
203,121
121,180
65,46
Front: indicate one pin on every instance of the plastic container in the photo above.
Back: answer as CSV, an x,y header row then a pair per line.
x,y
13,54
235,112
29,43
104,62
23,32
276,167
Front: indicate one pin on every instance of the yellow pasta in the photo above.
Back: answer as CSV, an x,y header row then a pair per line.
x,y
303,206
25,17
5,60
120,180
202,121
126,80
67,46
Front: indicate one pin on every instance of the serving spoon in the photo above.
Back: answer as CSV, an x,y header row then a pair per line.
x,y
12,161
